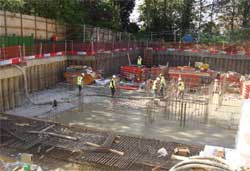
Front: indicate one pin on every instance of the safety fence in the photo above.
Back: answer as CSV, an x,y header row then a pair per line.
x,y
18,54
215,49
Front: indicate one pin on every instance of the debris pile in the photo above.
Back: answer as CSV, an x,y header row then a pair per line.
x,y
75,70
19,166
231,82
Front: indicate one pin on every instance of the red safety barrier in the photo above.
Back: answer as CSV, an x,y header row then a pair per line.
x,y
11,55
245,89
135,73
10,52
51,49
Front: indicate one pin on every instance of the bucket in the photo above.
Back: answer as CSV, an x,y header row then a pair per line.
x,y
26,167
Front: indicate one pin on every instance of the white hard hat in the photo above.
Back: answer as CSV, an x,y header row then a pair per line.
x,y
114,76
179,79
157,78
82,74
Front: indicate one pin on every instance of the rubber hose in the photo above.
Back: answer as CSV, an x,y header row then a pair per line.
x,y
191,166
211,158
26,89
205,162
202,160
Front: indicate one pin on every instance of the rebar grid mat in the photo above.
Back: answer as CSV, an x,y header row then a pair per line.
x,y
136,150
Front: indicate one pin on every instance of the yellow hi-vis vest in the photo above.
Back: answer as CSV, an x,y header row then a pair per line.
x,y
163,82
112,83
139,61
181,86
154,87
79,80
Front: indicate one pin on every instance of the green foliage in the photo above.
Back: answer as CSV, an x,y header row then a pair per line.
x,y
16,40
133,28
186,16
112,14
12,5
170,15
239,36
125,8
244,11
213,38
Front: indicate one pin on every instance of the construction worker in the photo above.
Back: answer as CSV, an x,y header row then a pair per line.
x,y
139,61
180,87
155,86
112,85
162,84
80,82
54,110
216,86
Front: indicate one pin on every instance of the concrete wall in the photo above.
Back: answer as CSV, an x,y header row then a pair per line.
x,y
222,63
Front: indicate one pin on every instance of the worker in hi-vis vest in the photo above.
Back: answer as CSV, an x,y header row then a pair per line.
x,y
80,82
112,85
162,84
180,87
155,86
139,61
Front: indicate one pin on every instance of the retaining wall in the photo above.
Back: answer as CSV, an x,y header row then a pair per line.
x,y
41,74
224,63
108,63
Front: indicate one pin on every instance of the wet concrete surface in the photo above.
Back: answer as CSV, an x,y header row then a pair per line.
x,y
128,115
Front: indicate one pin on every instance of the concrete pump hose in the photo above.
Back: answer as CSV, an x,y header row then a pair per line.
x,y
214,161
25,83
220,160
202,162
26,88
202,166
120,97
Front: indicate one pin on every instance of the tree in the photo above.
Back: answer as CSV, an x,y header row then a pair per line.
x,y
125,9
166,17
112,14
229,14
186,16
133,28
11,5
244,12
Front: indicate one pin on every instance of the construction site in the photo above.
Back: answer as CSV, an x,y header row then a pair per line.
x,y
48,121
